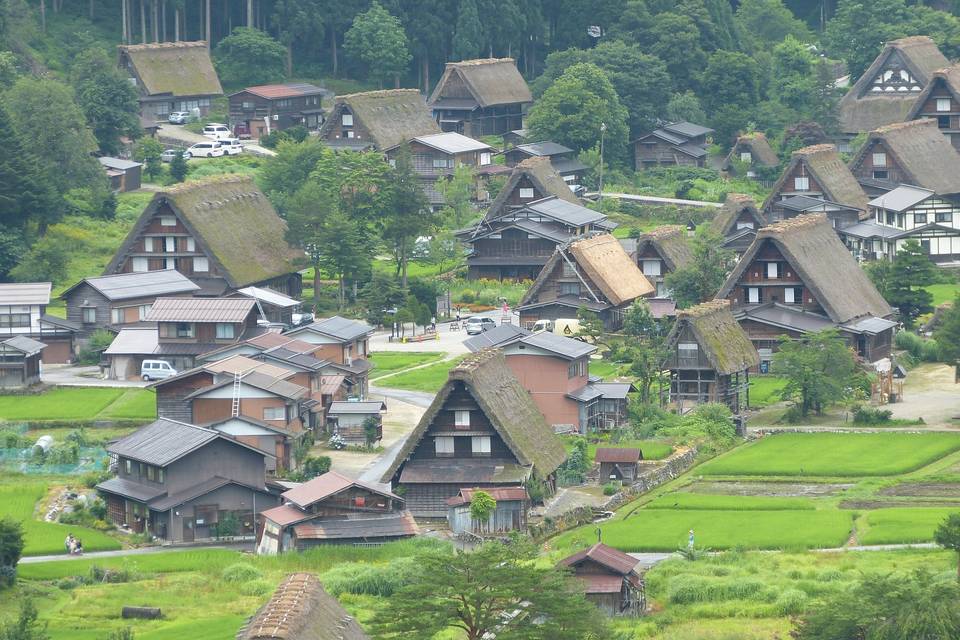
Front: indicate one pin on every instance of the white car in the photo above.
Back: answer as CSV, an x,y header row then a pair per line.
x,y
156,370
217,131
206,150
179,117
169,154
231,146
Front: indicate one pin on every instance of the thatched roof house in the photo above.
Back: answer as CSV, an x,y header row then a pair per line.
x,y
228,236
738,210
724,344
940,100
819,172
535,173
670,242
300,609
481,97
171,76
378,119
754,149
886,91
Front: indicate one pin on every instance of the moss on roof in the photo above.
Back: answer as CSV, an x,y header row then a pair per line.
x,y
823,162
391,117
724,342
921,151
539,170
177,68
491,81
670,242
724,222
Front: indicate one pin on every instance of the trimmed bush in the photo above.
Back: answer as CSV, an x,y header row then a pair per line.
x,y
241,572
257,587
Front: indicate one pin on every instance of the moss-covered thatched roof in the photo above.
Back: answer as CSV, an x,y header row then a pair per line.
x,y
545,179
491,81
759,147
921,151
724,222
671,244
824,164
391,117
723,341
177,68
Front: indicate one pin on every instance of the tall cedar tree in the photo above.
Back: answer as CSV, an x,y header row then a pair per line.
x,y
819,369
25,194
911,271
378,42
107,98
498,589
700,280
307,213
409,215
468,33
296,22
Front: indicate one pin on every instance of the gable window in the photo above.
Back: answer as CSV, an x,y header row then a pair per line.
x,y
274,413
484,158
347,119
801,183
943,122
753,295
247,106
168,221
148,245
116,316
461,418
128,466
201,264
170,264
225,331
569,289
191,244
184,330
139,265
651,267
746,156
526,194
144,310
773,270
744,225
443,446
480,445
793,295
89,315
880,174
688,353
943,104
880,159
170,244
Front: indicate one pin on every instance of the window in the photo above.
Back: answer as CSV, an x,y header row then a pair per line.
x,y
143,310
139,264
461,418
148,245
274,413
442,163
170,244
484,158
880,159
225,331
753,295
687,352
773,270
14,320
170,263
480,445
203,102
347,119
788,295
945,217
184,330
880,175
651,267
201,264
568,271
891,218
746,156
116,316
89,315
349,134
943,104
526,194
128,466
943,122
168,221
744,225
801,183
569,289
247,106
191,244
577,368
161,476
151,473
919,218
443,446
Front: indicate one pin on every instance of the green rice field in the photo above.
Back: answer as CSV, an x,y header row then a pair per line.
x,y
902,525
80,403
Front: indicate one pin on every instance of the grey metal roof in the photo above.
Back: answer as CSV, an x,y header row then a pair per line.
x,y
60,323
277,386
23,293
269,296
395,524
339,408
691,149
687,129
495,337
870,230
568,301
302,360
200,309
870,324
541,229
567,165
124,286
901,198
565,347
118,163
451,142
545,148
134,342
131,489
163,441
806,204
463,470
572,214
337,327
586,393
786,317
28,346
613,390
199,489
463,104
666,136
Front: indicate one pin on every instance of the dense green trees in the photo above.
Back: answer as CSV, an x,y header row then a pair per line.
x,y
700,280
378,42
248,57
947,335
819,369
11,548
902,281
107,98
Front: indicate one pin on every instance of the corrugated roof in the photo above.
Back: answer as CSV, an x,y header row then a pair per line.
x,y
326,485
568,212
28,346
687,129
612,454
163,441
124,286
269,296
367,527
566,347
336,327
498,336
451,142
24,293
871,230
286,90
901,198
500,494
599,583
545,148
134,342
491,81
130,489
286,514
444,471
176,68
369,406
786,317
200,310
606,556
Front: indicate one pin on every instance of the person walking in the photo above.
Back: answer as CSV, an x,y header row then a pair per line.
x,y
68,543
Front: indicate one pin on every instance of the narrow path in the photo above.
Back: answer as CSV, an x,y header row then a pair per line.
x,y
657,199
141,551
447,357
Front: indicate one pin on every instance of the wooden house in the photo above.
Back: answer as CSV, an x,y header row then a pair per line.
x,y
887,91
221,232
122,300
274,307
177,482
171,76
300,609
348,420
563,159
23,312
662,251
274,107
510,513
377,120
797,277
437,156
675,144
737,222
20,362
593,272
618,464
710,357
611,579
342,342
486,97
940,101
124,175
817,172
333,508
753,151
481,430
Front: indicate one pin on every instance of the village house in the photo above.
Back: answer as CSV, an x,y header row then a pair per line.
x,y
182,483
737,222
710,358
887,91
20,362
275,308
611,579
618,464
676,144
378,120
124,175
509,514
171,76
662,251
221,232
818,176
348,420
481,430
754,151
534,213
342,342
257,111
593,272
121,300
486,97
23,312
940,101
563,159
437,156
796,278
333,508
301,610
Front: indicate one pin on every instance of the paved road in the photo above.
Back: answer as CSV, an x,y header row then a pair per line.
x,y
657,200
179,135
82,376
142,551
447,341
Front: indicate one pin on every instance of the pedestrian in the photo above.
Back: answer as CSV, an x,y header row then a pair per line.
x,y
68,543
78,547
690,540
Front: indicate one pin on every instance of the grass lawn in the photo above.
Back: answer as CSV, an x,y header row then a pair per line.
x,y
944,292
605,369
765,390
901,525
133,404
80,403
651,449
389,361
710,502
428,379
834,454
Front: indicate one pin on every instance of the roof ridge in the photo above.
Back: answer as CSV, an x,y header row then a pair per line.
x,y
481,61
180,44
704,309
792,225
665,230
813,149
186,187
377,93
912,40
909,124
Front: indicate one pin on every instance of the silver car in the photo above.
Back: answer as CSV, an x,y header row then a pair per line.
x,y
476,324
179,117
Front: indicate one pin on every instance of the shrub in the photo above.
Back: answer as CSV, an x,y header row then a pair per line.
x,y
791,602
609,489
70,582
257,587
10,439
871,415
689,589
930,351
372,580
241,572
99,340
468,296
488,297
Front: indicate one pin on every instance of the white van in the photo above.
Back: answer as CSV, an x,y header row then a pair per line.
x,y
206,150
156,370
231,146
217,131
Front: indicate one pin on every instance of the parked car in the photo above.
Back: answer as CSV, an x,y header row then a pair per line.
x,y
231,146
217,131
169,154
179,117
476,324
206,150
156,370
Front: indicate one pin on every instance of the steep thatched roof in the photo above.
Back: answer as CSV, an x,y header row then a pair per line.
x,y
233,220
177,68
491,81
724,222
922,152
823,163
718,333
758,146
545,179
504,402
947,78
670,241
824,264
864,110
391,117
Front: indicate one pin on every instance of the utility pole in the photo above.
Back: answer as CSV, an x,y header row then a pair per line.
x,y
603,129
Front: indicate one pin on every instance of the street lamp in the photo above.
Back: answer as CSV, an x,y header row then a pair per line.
x,y
603,129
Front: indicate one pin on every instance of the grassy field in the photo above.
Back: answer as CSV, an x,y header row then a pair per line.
x,y
428,379
651,449
834,454
891,526
605,369
944,292
80,403
765,390
707,502
389,361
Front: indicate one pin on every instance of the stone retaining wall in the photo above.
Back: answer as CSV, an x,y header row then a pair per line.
x,y
646,481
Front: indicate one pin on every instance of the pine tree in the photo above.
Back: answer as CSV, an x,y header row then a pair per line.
x,y
178,168
468,35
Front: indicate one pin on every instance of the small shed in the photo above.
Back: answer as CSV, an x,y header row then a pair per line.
x,y
20,361
611,579
618,464
346,419
124,175
510,513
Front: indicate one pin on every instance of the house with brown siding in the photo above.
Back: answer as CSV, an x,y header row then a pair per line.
x,y
342,342
593,272
171,76
334,509
618,464
221,232
437,156
675,144
662,251
274,107
563,159
611,579
940,101
481,430
753,150
484,97
887,91
737,222
377,120
797,277
23,313
176,482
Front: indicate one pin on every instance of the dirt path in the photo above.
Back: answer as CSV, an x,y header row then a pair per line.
x,y
929,392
